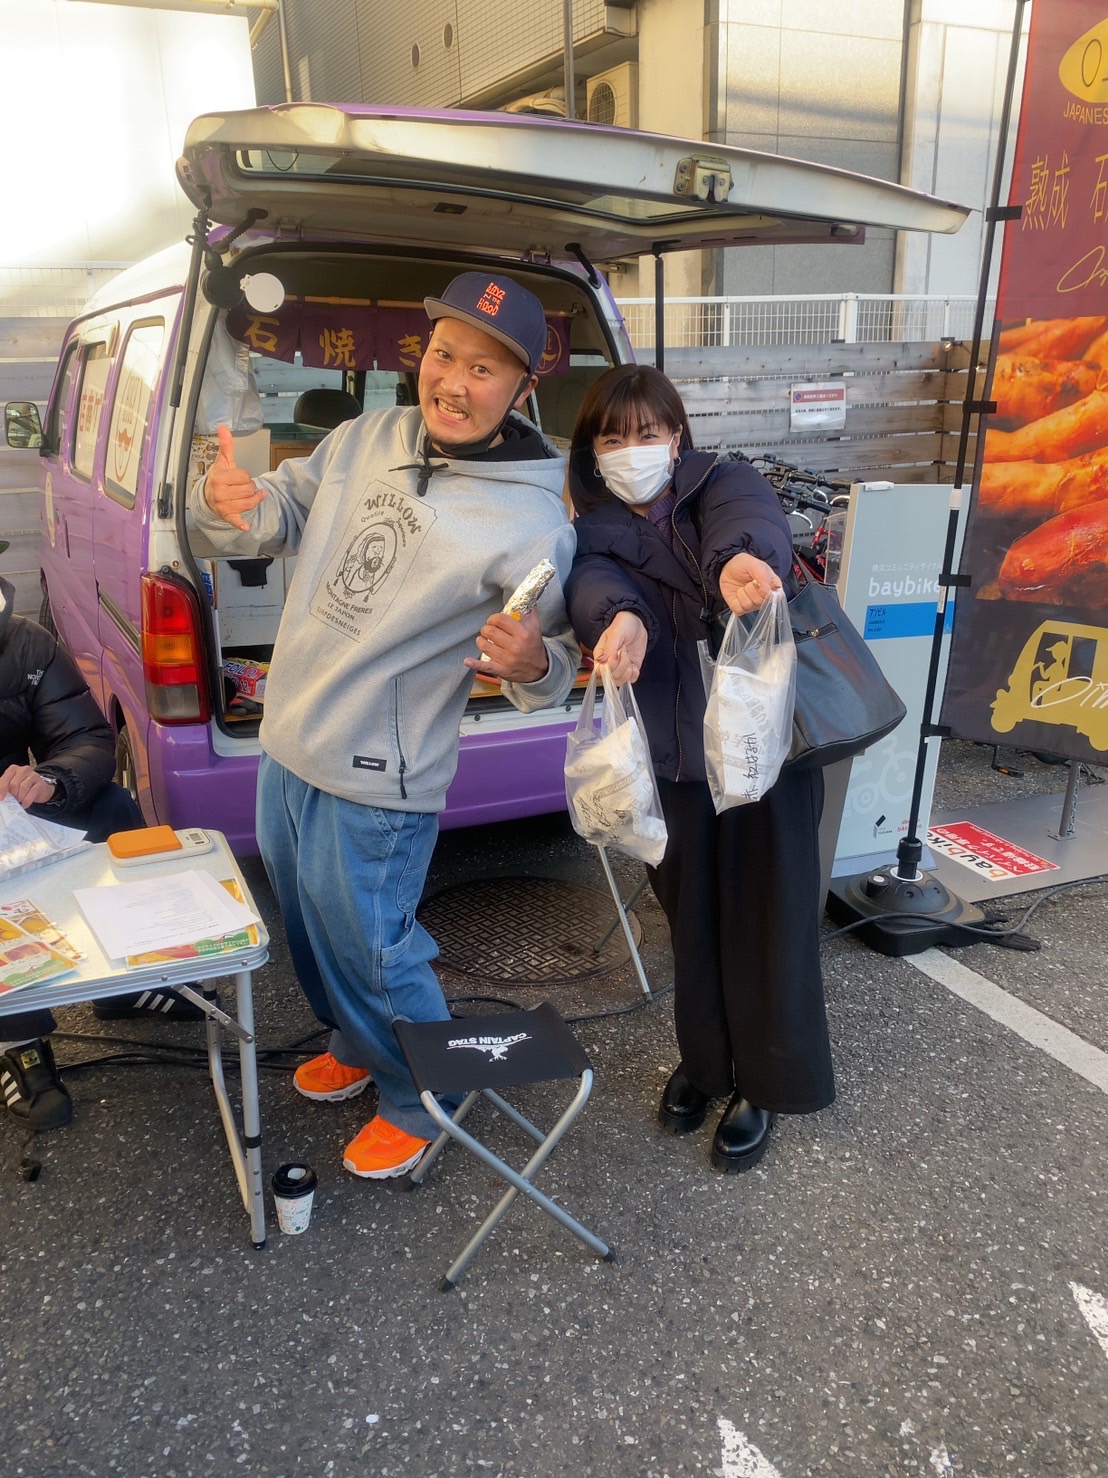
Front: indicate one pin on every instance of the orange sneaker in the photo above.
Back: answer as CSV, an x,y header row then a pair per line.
x,y
329,1081
382,1150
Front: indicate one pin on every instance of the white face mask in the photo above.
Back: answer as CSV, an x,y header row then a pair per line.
x,y
637,474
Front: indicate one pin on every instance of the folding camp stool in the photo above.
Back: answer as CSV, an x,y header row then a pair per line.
x,y
477,1056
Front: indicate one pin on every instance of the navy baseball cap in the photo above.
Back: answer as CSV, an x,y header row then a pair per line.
x,y
499,307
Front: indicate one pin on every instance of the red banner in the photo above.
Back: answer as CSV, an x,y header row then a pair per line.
x,y
1029,655
337,337
361,336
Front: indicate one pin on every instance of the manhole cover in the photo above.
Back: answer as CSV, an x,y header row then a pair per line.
x,y
527,931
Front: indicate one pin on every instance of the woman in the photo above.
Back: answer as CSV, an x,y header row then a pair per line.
x,y
666,536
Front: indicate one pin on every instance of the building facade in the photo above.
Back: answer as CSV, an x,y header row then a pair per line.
x,y
908,90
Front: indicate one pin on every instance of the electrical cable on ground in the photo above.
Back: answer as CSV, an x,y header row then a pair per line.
x,y
155,1054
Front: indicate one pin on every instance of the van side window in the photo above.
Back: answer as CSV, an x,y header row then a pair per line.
x,y
134,390
95,364
57,422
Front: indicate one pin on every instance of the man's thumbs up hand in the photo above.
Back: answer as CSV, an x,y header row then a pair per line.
x,y
231,492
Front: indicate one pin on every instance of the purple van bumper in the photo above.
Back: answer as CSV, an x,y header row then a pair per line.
x,y
500,777
191,785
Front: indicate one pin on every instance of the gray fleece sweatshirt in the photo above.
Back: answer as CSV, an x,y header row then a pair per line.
x,y
367,687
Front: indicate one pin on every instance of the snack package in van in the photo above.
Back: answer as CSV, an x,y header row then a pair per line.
x,y
248,677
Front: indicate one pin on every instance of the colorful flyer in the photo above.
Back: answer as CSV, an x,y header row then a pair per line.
x,y
25,960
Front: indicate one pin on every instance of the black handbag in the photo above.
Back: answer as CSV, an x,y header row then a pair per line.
x,y
844,702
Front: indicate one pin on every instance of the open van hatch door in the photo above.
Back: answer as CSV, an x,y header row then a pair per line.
x,y
525,185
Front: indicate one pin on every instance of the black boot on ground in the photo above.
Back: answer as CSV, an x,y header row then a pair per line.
x,y
683,1108
33,1093
742,1136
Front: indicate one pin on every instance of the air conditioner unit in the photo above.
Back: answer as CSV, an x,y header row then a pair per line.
x,y
613,96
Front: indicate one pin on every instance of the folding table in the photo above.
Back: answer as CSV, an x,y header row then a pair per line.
x,y
51,888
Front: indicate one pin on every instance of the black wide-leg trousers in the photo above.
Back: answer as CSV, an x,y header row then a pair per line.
x,y
741,892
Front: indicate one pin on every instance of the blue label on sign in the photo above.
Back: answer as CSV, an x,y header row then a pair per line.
x,y
917,618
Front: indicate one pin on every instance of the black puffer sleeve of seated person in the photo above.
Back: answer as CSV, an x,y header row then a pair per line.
x,y
596,590
69,736
741,514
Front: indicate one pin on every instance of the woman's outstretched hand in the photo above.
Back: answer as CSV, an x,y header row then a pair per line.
x,y
621,648
746,582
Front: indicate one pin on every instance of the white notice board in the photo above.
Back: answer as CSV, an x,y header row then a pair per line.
x,y
888,585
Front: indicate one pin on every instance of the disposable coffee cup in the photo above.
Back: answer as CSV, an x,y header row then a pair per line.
x,y
293,1193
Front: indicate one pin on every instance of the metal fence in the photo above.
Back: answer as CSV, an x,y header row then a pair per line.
x,y
52,292
821,318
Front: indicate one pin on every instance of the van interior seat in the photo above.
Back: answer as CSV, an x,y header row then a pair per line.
x,y
326,408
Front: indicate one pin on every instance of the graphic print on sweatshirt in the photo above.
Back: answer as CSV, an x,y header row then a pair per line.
x,y
367,564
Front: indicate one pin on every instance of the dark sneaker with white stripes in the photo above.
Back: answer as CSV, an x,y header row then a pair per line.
x,y
34,1095
164,1003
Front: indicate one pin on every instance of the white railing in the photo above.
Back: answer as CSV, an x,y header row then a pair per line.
x,y
820,318
52,292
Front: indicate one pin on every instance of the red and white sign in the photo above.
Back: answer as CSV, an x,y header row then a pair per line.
x,y
818,406
985,853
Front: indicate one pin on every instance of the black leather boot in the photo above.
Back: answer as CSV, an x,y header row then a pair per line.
x,y
683,1107
742,1136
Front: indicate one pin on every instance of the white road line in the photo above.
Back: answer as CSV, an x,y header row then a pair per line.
x,y
741,1459
1064,1046
1095,1310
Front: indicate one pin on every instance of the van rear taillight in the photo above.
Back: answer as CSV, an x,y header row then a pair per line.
x,y
173,652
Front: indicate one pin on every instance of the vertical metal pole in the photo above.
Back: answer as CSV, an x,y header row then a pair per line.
x,y
659,311
567,59
910,847
991,223
284,35
1069,805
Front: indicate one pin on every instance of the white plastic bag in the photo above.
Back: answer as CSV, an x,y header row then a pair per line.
x,y
610,786
748,724
228,393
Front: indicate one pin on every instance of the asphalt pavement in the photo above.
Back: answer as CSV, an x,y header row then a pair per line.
x,y
913,1282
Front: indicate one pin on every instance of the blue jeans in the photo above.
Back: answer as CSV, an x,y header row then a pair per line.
x,y
348,879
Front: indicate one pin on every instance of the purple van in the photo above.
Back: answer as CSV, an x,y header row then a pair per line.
x,y
319,230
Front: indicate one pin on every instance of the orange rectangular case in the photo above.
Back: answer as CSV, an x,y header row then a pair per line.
x,y
144,841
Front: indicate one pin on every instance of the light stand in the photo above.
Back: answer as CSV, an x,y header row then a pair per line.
x,y
902,911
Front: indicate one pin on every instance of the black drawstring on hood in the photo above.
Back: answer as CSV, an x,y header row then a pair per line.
x,y
425,467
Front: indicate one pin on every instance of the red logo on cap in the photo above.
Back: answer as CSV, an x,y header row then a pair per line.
x,y
490,300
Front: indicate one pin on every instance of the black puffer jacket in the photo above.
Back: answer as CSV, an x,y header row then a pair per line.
x,y
47,711
624,564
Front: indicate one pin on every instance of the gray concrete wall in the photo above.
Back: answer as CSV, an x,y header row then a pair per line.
x,y
906,90
958,62
819,82
427,53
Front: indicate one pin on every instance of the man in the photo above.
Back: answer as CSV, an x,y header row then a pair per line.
x,y
411,528
47,711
